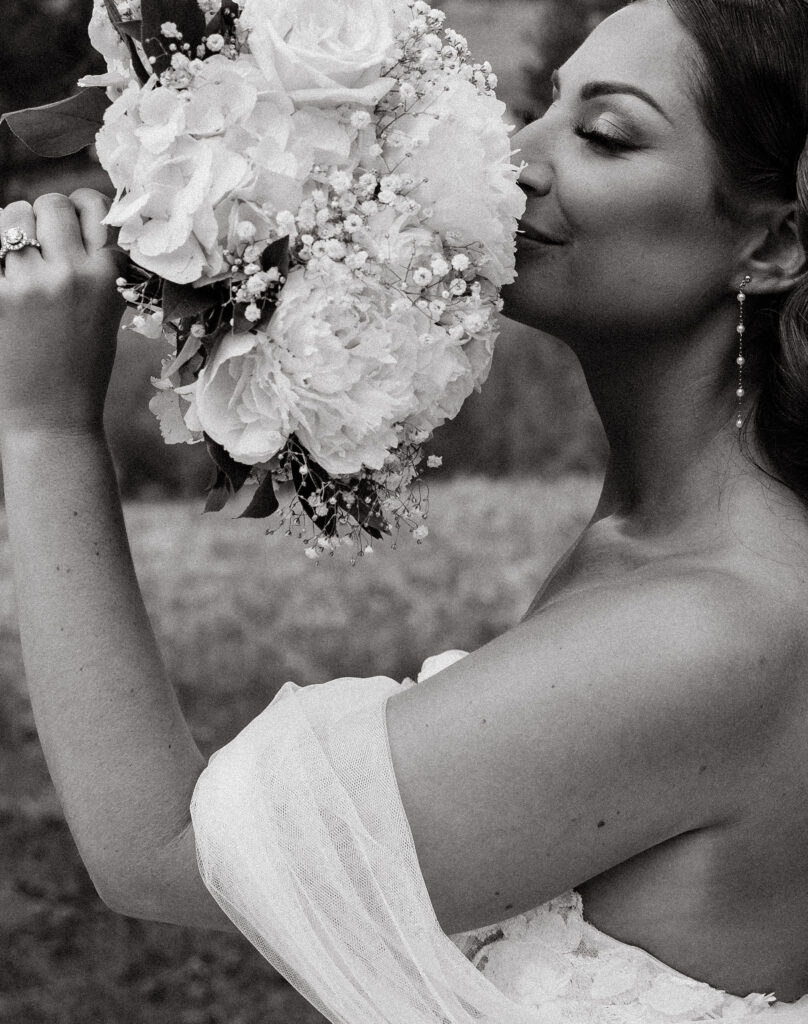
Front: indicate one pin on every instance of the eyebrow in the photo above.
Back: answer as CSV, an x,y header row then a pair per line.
x,y
594,89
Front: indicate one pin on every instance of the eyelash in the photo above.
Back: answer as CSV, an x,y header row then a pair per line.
x,y
599,139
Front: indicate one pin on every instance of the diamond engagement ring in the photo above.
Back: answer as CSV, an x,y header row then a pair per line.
x,y
15,239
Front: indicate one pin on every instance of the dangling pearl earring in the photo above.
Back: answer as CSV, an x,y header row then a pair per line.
x,y
741,361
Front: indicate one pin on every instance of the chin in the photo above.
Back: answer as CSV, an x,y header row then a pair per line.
x,y
520,306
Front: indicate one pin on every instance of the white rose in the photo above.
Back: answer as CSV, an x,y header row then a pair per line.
x,y
323,53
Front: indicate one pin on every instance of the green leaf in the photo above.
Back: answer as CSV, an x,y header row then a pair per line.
x,y
312,487
188,351
125,29
131,29
130,32
276,254
224,20
61,128
118,22
264,501
218,493
185,14
242,324
235,472
182,300
367,510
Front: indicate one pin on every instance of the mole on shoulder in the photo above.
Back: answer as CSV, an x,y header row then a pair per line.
x,y
601,824
509,906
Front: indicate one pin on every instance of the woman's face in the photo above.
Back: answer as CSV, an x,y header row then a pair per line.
x,y
641,249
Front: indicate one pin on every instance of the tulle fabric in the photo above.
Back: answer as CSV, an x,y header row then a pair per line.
x,y
303,841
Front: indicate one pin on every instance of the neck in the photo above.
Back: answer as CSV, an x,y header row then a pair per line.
x,y
668,407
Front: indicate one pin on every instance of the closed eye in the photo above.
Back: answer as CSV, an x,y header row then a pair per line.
x,y
612,143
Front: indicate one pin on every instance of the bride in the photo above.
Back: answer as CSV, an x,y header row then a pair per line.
x,y
606,808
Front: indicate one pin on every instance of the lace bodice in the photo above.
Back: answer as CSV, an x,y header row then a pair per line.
x,y
303,841
552,958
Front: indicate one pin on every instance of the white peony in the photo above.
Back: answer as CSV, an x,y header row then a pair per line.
x,y
390,238
323,53
465,174
339,370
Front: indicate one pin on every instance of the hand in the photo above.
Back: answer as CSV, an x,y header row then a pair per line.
x,y
59,315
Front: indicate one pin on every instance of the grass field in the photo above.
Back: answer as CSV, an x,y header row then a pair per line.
x,y
237,614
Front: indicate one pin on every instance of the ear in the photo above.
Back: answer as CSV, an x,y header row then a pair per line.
x,y
774,257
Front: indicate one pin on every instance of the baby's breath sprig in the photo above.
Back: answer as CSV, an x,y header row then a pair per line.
x,y
328,513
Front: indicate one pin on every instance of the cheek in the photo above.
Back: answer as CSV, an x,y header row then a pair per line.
x,y
650,205
644,250
649,232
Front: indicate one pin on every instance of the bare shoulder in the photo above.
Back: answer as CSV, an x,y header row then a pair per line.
x,y
581,738
746,622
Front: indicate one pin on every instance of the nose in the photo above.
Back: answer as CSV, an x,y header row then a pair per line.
x,y
536,177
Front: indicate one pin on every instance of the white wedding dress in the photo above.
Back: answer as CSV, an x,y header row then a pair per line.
x,y
303,841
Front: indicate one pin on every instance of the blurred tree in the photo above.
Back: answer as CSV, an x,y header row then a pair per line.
x,y
564,24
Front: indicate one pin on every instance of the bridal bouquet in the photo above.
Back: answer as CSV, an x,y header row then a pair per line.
x,y
319,205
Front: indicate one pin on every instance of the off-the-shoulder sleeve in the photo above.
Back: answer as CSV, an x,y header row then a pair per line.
x,y
303,841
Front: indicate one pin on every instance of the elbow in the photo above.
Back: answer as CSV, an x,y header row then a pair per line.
x,y
126,901
167,899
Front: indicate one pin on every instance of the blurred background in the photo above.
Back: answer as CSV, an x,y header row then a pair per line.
x,y
238,612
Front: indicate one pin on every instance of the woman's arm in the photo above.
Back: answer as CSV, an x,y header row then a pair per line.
x,y
612,721
606,724
118,748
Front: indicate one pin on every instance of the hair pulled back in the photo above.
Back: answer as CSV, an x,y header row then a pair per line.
x,y
750,81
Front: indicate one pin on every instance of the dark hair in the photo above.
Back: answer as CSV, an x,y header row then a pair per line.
x,y
750,80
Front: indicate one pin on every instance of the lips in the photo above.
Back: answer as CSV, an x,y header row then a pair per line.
x,y
528,231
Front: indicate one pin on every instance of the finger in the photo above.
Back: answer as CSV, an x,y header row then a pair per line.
x,y
92,207
19,263
58,228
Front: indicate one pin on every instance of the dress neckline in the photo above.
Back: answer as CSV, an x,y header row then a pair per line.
x,y
610,940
